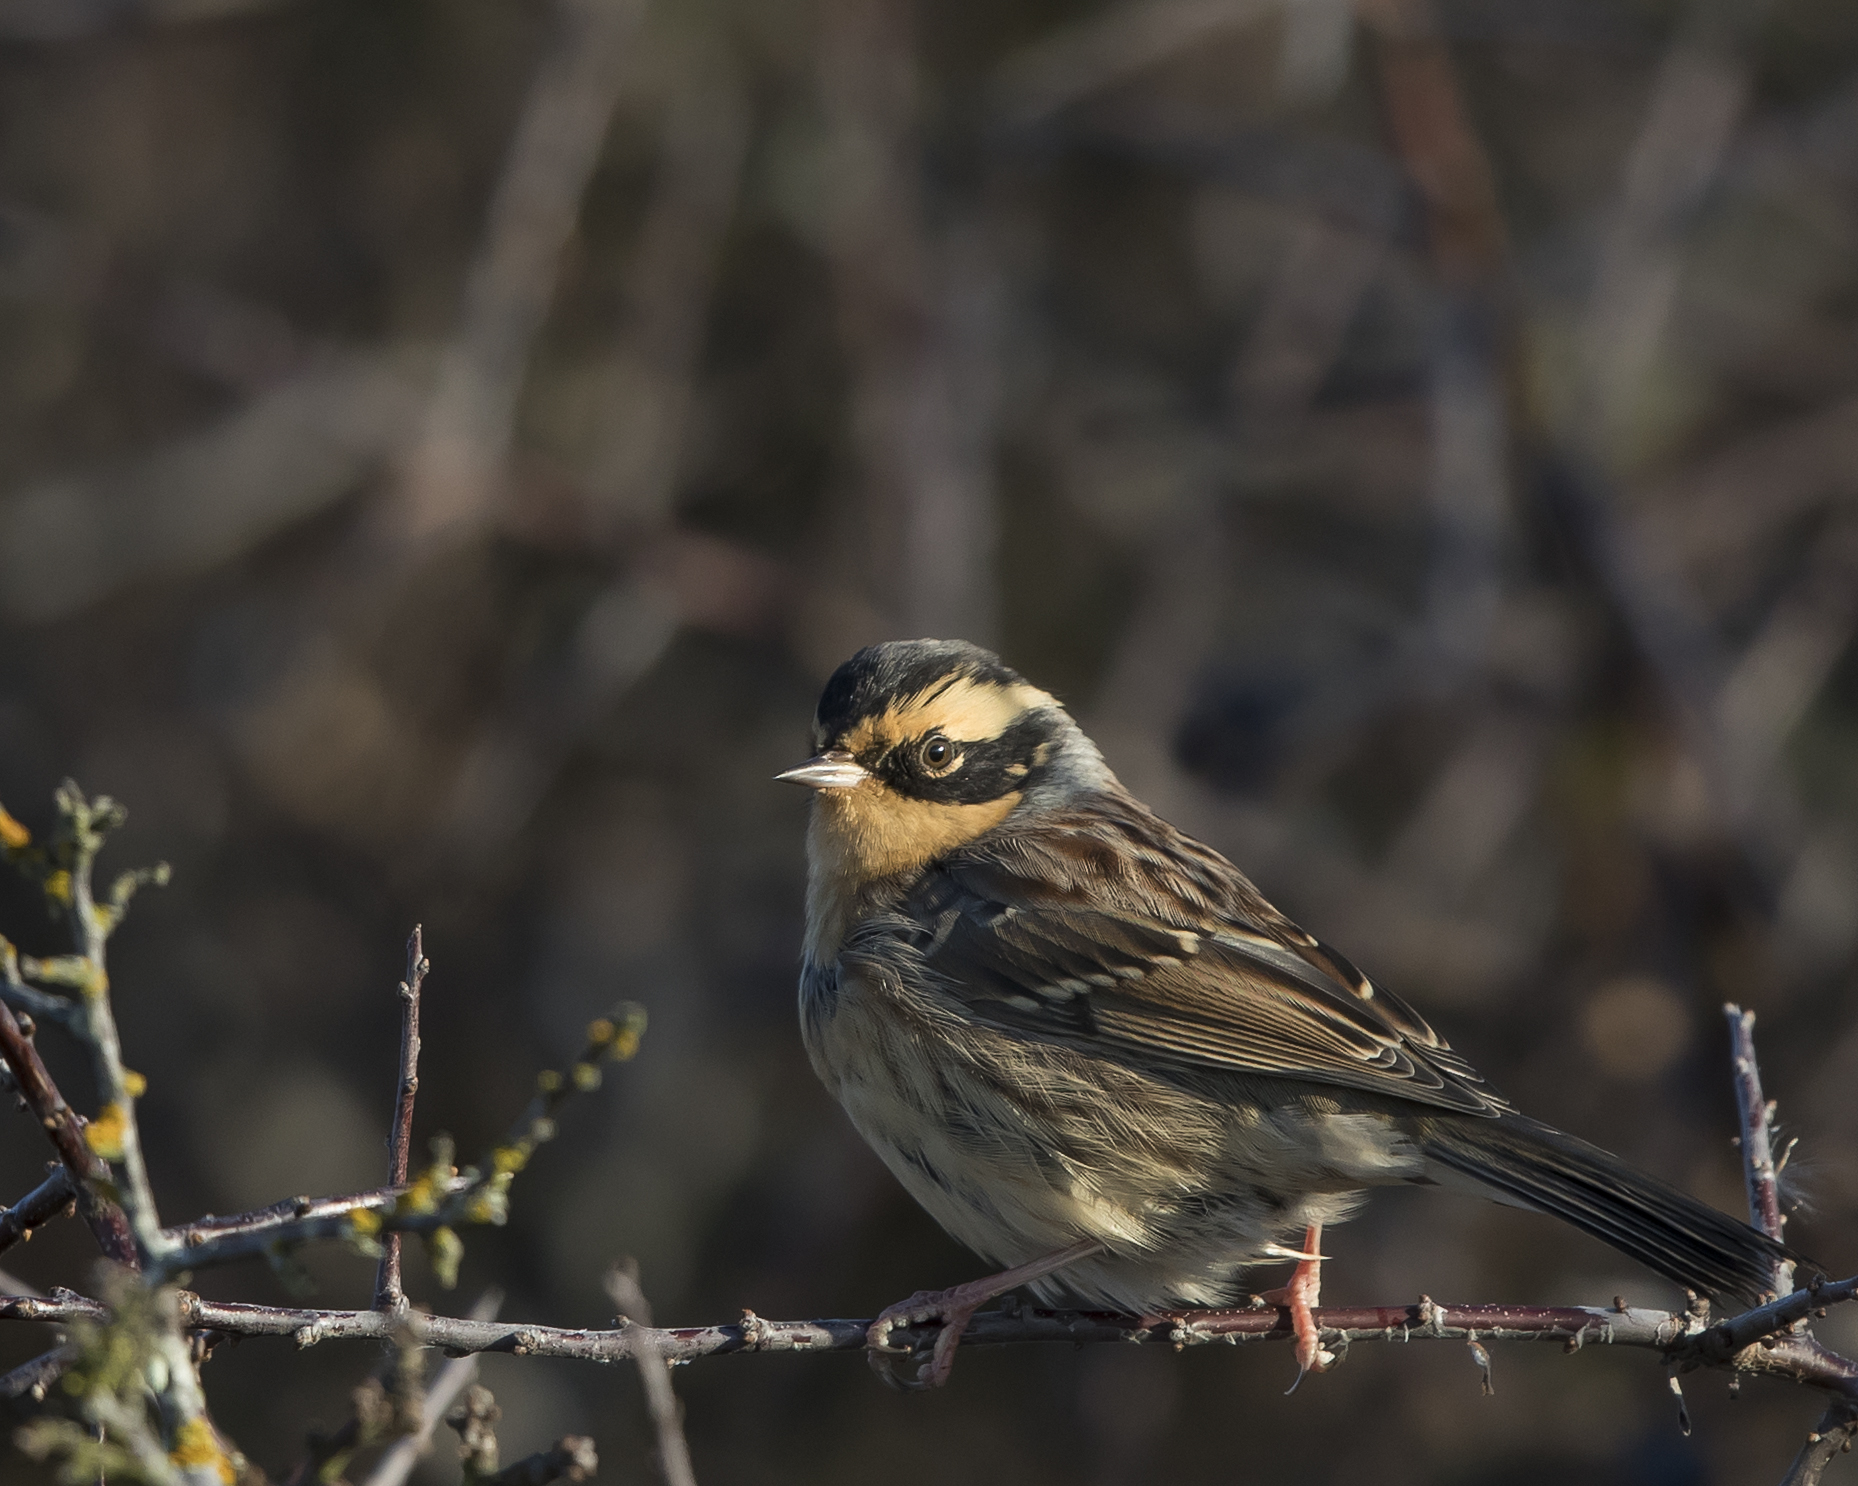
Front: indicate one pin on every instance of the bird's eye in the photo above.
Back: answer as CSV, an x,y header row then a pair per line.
x,y
937,751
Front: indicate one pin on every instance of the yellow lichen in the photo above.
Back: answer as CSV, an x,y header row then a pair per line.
x,y
421,1197
444,1249
58,886
104,1135
195,1446
365,1221
134,1084
13,835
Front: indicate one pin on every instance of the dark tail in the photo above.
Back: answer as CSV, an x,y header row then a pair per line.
x,y
1537,1166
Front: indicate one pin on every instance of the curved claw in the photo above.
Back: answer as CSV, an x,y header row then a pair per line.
x,y
1299,1297
953,1308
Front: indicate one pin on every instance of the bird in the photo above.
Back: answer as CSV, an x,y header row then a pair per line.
x,y
1100,1059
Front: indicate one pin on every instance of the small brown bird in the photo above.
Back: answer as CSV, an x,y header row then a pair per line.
x,y
1099,1058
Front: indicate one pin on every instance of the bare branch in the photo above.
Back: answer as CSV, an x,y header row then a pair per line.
x,y
31,1379
432,1205
51,1198
1833,1436
284,1214
1751,1342
1764,1199
60,1124
115,1134
387,1293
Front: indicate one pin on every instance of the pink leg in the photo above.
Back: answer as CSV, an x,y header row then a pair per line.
x,y
1299,1297
954,1309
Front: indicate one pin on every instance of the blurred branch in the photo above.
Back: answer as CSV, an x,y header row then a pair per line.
x,y
628,1296
475,1419
387,1293
1784,666
924,379
1437,141
1696,101
454,471
1107,49
458,1374
1447,161
1714,510
649,393
205,497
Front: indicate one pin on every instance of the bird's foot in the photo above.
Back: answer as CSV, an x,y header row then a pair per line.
x,y
1300,1297
954,1308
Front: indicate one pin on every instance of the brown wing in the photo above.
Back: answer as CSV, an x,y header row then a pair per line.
x,y
1108,929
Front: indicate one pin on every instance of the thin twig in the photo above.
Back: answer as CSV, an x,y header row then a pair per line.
x,y
32,1379
56,1118
628,1295
84,824
55,1195
1840,1424
1832,1436
284,1214
439,1200
387,1293
1764,1195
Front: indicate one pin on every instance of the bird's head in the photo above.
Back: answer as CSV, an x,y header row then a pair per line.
x,y
922,745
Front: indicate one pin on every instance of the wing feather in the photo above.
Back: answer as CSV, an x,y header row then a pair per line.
x,y
1106,928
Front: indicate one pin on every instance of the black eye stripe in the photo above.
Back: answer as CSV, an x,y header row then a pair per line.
x,y
978,771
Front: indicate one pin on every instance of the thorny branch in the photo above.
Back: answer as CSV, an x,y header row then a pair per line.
x,y
1839,1426
1756,1140
1740,1344
387,1293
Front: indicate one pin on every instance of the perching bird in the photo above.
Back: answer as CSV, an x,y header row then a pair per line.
x,y
1095,1053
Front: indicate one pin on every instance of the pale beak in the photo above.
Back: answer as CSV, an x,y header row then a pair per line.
x,y
834,770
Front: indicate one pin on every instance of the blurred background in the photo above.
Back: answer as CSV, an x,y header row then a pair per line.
x,y
447,445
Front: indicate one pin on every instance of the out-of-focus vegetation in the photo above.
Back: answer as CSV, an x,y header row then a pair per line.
x,y
446,446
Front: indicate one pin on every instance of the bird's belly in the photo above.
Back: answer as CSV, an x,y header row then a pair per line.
x,y
1019,1148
